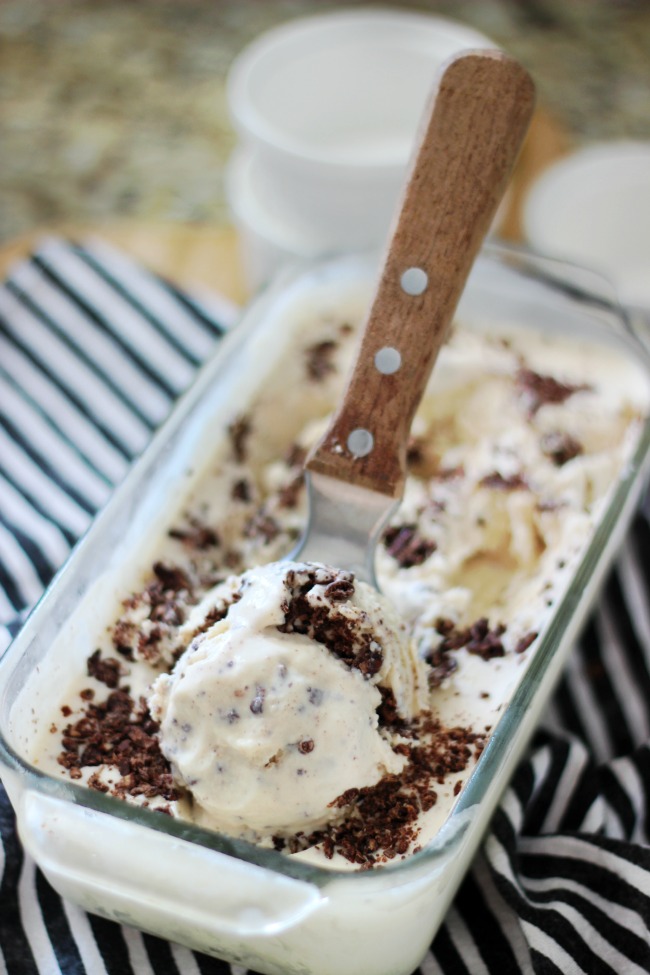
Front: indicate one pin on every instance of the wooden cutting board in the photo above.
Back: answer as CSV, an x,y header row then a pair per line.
x,y
208,256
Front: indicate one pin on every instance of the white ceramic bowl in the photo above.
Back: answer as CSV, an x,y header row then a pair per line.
x,y
327,108
266,240
593,207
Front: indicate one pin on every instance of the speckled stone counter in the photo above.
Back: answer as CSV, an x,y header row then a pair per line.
x,y
117,109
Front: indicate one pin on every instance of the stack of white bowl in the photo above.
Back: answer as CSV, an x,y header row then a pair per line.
x,y
326,109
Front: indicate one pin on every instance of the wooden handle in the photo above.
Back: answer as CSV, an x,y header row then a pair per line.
x,y
474,129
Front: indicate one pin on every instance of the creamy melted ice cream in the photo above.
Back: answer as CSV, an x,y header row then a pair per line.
x,y
287,703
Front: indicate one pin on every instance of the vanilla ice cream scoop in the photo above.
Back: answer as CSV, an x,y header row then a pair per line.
x,y
271,713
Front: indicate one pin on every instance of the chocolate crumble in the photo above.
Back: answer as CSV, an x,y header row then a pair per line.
x,y
381,821
162,600
119,733
345,639
107,670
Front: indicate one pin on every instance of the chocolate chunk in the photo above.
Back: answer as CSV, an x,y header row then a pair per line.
x,y
264,526
320,359
125,637
241,490
406,546
525,642
560,447
239,431
196,536
486,642
442,666
289,494
415,452
342,588
478,638
515,482
536,390
389,716
171,577
295,456
306,746
104,669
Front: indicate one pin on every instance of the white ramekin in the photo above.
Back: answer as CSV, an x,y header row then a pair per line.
x,y
326,109
593,207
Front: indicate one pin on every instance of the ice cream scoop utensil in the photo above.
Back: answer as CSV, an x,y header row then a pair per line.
x,y
470,140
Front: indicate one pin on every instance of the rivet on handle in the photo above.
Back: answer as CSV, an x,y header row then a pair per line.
x,y
469,142
414,281
387,360
360,442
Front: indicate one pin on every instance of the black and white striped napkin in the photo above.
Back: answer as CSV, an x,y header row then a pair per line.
x,y
94,350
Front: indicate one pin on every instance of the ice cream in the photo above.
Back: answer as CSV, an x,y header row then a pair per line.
x,y
520,441
271,713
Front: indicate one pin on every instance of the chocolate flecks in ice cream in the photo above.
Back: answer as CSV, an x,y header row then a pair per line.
x,y
241,490
442,664
264,526
320,359
290,705
512,482
239,432
406,546
560,447
537,390
479,638
197,535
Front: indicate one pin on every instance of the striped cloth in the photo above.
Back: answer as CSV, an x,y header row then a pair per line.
x,y
93,352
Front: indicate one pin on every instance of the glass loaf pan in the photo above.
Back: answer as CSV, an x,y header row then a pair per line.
x,y
248,905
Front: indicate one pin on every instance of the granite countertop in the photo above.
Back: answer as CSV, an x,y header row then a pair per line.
x,y
114,109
